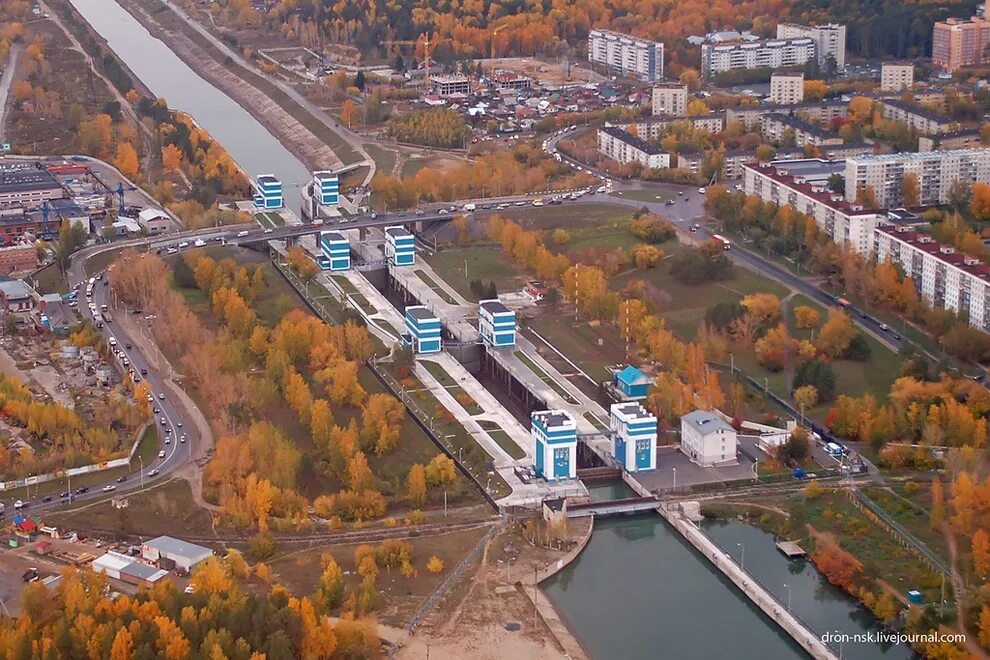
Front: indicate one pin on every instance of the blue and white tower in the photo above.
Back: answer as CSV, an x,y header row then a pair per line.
x,y
423,331
400,246
268,193
496,323
634,436
326,188
336,250
555,439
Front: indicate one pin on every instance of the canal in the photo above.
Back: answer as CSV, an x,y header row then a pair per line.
x,y
664,600
255,149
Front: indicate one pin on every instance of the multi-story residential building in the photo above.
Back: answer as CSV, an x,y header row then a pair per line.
x,y
916,117
634,436
655,128
707,439
496,323
804,185
626,55
822,113
554,444
896,77
670,99
326,188
946,278
445,85
336,250
957,43
830,40
778,128
423,330
964,139
624,147
936,171
771,54
787,88
400,246
268,192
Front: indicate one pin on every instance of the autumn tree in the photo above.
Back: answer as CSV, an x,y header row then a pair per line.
x,y
979,204
814,90
434,564
416,486
807,318
836,334
838,566
981,553
910,190
867,197
330,589
806,397
171,158
347,113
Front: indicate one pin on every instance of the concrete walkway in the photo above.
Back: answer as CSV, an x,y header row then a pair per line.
x,y
5,84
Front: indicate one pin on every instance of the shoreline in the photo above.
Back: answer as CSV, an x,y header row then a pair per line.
x,y
562,631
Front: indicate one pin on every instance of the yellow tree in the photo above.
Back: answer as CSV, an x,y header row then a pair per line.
x,y
836,334
321,422
806,396
807,318
123,646
358,473
126,160
171,158
347,113
416,486
981,553
910,190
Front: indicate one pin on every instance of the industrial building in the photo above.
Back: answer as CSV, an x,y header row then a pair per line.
x,y
670,99
624,147
400,246
830,40
770,54
27,184
936,171
707,439
268,193
625,55
423,330
124,568
326,188
18,258
154,221
496,323
634,436
786,88
555,444
336,250
17,297
185,555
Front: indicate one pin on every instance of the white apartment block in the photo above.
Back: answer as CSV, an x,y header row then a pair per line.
x,y
896,77
656,128
787,88
947,279
626,55
624,147
670,99
803,185
936,172
830,39
914,116
772,54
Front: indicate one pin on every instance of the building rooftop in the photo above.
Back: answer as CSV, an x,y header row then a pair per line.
x,y
809,176
397,232
553,419
332,236
947,254
921,155
174,546
267,178
800,125
15,289
748,45
632,140
631,375
669,85
67,208
143,571
706,422
631,410
620,35
420,313
113,561
325,175
448,78
917,110
22,179
494,306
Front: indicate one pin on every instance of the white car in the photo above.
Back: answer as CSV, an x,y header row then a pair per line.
x,y
168,441
183,438
243,233
161,396
269,230
108,488
183,244
701,191
161,454
199,242
153,473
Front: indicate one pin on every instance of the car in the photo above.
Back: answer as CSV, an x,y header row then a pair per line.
x,y
163,421
442,212
242,233
183,438
135,377
695,227
63,496
897,336
168,430
82,490
122,478
884,327
127,346
127,362
104,308
171,250
144,372
108,488
183,244
153,473
46,499
520,203
161,454
269,230
669,202
179,424
702,191
168,441
199,242
161,396
155,409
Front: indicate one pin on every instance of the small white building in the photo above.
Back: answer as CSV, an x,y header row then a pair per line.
x,y
183,553
111,564
154,221
707,439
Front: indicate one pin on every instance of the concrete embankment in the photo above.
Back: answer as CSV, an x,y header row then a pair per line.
x,y
303,144
555,623
762,598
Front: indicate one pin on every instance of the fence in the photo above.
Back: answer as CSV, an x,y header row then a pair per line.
x,y
895,529
449,581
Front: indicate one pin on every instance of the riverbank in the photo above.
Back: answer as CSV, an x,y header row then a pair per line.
x,y
297,138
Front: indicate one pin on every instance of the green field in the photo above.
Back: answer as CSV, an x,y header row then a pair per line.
x,y
384,158
270,219
448,383
642,195
436,288
483,262
51,280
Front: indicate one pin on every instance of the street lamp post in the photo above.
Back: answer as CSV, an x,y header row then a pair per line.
x,y
742,556
788,597
674,487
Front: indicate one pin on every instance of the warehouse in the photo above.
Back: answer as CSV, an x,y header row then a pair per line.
x,y
185,555
111,564
20,184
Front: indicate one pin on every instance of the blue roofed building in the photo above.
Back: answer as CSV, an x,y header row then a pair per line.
x,y
496,323
630,383
336,250
326,188
400,246
423,330
555,444
268,193
634,436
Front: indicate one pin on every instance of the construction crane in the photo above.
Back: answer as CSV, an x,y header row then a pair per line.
x,y
414,43
495,32
119,191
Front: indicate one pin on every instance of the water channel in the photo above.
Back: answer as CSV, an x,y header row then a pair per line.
x,y
249,143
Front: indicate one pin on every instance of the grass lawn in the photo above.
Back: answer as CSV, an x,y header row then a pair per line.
x,y
437,289
642,195
483,262
100,261
913,517
542,375
579,341
448,383
359,299
384,158
502,438
51,280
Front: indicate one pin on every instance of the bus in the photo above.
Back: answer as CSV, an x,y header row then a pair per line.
x,y
721,239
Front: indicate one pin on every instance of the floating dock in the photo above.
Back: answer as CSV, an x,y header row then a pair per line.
x,y
791,549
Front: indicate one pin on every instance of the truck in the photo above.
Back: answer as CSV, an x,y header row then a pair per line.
x,y
107,317
470,207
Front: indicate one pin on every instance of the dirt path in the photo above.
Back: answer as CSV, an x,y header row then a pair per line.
x,y
5,83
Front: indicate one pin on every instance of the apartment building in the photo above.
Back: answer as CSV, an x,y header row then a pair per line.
x,y
778,128
916,117
786,88
957,43
830,40
937,171
624,147
446,85
670,99
821,113
769,54
946,278
625,55
655,128
964,139
896,77
803,185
